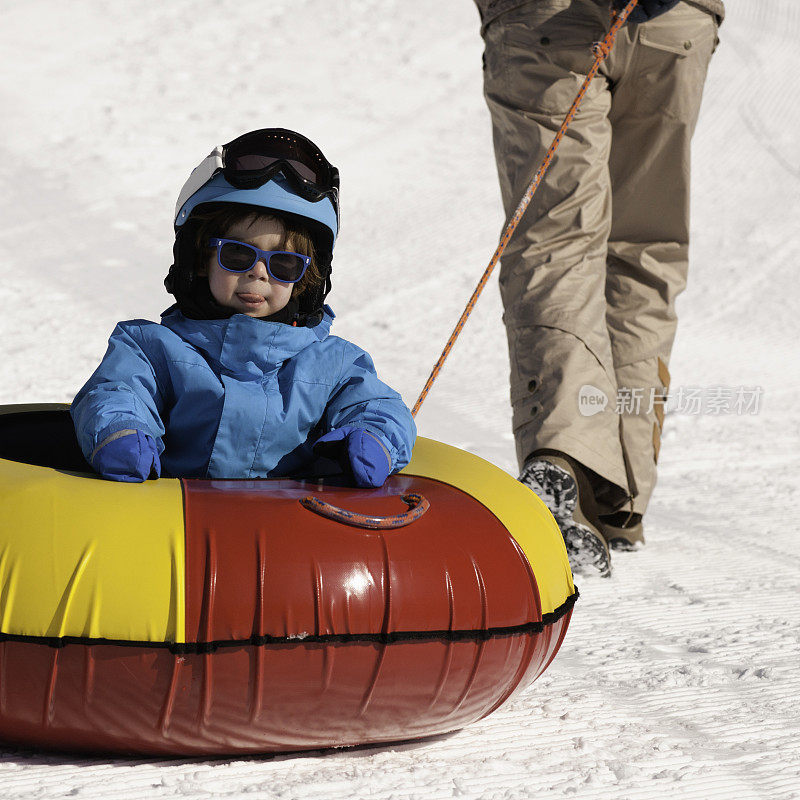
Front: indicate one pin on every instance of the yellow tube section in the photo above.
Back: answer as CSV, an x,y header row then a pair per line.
x,y
524,515
81,556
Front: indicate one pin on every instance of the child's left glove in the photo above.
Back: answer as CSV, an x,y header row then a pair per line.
x,y
359,452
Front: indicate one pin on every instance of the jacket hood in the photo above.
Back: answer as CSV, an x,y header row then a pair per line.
x,y
245,346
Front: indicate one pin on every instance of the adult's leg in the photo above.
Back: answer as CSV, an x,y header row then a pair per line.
x,y
657,88
553,272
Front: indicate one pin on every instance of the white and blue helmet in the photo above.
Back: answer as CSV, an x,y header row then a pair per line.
x,y
274,170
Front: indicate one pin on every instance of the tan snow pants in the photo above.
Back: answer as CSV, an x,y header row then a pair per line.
x,y
590,278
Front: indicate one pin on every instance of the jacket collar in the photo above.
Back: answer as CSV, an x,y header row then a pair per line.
x,y
244,346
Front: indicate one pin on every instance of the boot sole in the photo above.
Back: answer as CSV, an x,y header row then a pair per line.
x,y
586,546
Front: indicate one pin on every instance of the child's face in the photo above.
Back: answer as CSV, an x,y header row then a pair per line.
x,y
254,292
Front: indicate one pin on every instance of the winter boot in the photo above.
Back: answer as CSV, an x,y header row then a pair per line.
x,y
564,489
623,530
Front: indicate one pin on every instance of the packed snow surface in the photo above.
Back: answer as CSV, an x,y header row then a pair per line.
x,y
679,676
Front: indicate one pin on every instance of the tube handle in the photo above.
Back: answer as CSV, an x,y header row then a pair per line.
x,y
417,506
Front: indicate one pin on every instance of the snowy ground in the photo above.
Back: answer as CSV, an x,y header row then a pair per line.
x,y
679,676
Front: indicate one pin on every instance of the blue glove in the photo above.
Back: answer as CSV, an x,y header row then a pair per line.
x,y
645,9
130,457
357,451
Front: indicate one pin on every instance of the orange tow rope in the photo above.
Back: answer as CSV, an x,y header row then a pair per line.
x,y
601,51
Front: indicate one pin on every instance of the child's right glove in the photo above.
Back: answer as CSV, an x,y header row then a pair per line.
x,y
130,456
357,451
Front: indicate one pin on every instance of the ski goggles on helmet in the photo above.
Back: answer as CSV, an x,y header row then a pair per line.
x,y
253,158
251,161
282,265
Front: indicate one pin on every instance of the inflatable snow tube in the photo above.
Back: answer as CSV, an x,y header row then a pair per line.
x,y
220,617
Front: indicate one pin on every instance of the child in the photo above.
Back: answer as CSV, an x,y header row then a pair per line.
x,y
241,379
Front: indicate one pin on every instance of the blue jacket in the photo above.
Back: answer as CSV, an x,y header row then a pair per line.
x,y
237,397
